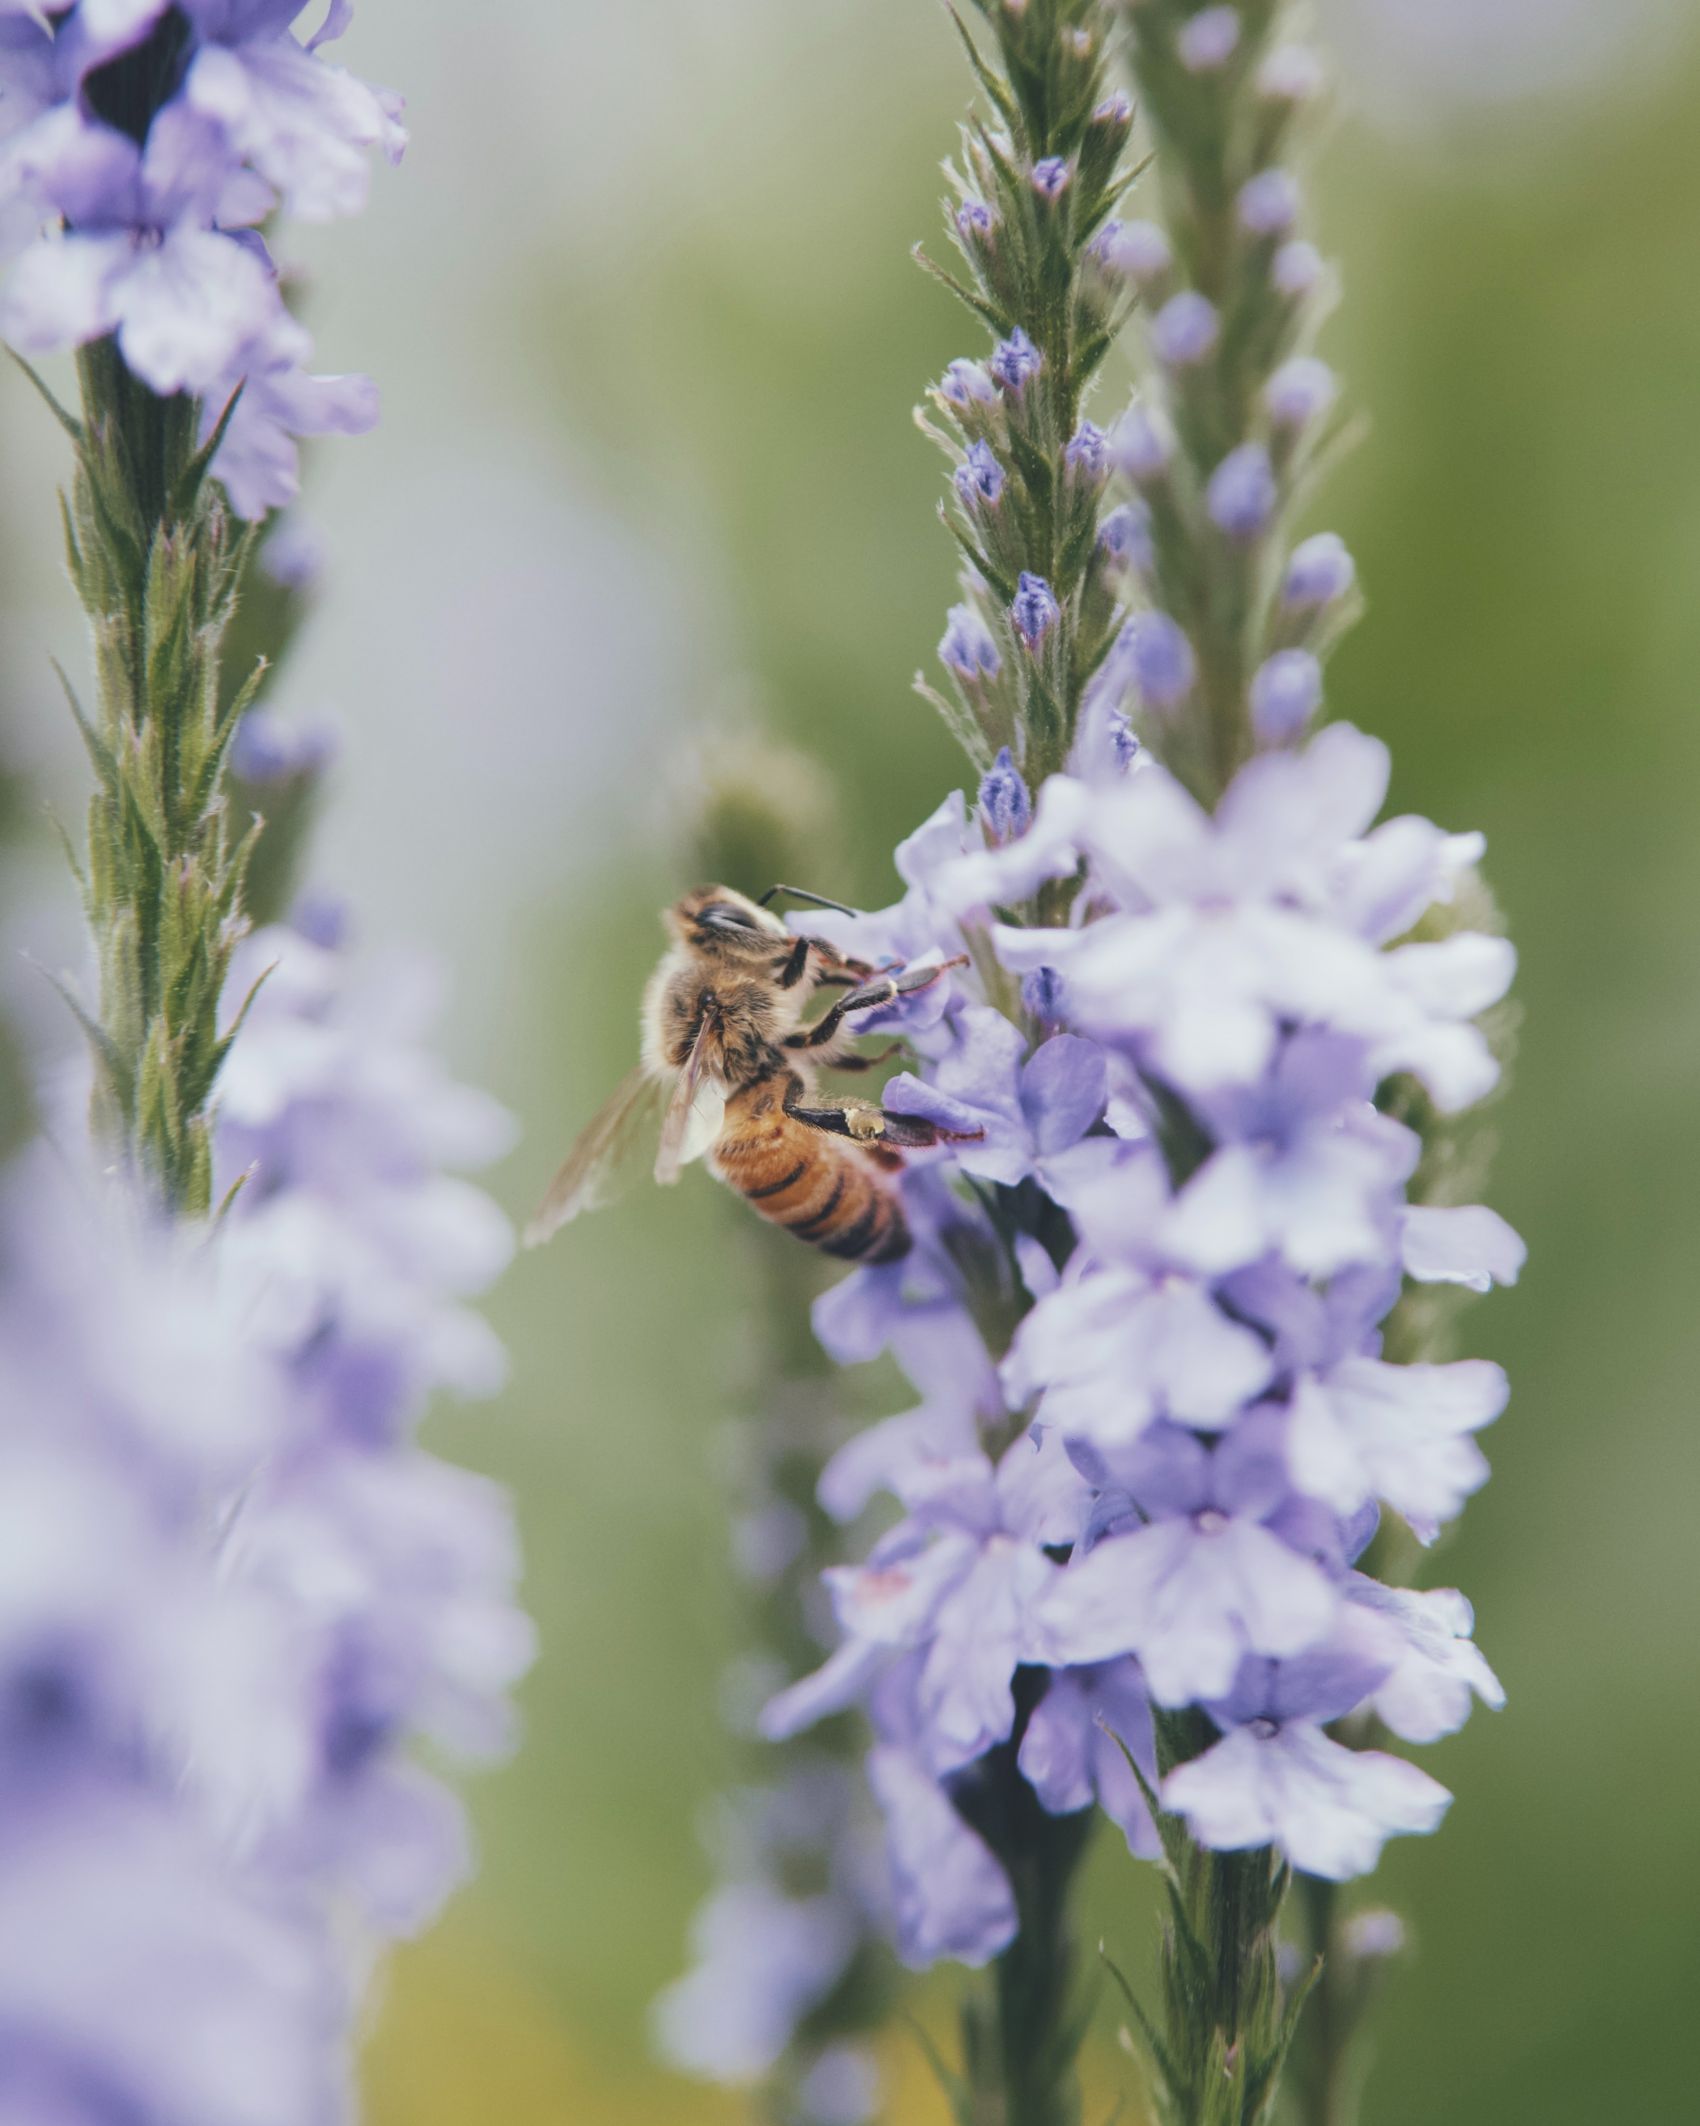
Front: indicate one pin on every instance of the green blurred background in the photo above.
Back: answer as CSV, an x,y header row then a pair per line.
x,y
649,341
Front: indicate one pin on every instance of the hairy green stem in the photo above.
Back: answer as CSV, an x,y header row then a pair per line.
x,y
156,561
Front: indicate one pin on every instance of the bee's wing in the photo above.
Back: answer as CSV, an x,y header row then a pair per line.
x,y
584,1179
693,1113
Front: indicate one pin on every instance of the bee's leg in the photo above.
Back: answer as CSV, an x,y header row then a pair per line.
x,y
886,989
795,964
874,1125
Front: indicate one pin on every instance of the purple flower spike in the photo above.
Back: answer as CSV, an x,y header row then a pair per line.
x,y
1164,667
1035,610
1015,360
1269,203
1209,40
1185,330
1005,803
1320,571
980,478
1050,178
966,647
1242,494
1286,692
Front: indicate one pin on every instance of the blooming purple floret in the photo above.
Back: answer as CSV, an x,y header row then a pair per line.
x,y
144,145
979,478
1035,610
967,384
1138,249
1125,537
1087,454
1015,360
974,219
1242,494
1161,1495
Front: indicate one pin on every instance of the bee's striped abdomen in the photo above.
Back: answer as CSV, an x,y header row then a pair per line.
x,y
829,1191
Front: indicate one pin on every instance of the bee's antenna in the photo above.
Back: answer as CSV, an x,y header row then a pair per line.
x,y
802,893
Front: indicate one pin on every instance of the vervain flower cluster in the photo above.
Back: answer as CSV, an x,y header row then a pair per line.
x,y
144,144
1156,1431
237,1594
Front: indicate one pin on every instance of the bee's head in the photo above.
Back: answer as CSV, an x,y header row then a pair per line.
x,y
716,913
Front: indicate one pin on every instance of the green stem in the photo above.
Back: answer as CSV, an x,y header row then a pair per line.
x,y
156,562
1021,2039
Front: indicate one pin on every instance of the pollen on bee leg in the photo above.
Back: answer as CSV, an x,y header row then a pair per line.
x,y
865,1121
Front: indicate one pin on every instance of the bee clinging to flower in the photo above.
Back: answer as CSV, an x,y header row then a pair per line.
x,y
730,1066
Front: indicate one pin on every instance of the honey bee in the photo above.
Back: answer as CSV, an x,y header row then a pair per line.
x,y
729,1066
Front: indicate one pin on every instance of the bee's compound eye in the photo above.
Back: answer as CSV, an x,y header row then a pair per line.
x,y
722,915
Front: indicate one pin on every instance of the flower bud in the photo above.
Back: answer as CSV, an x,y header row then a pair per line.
x,y
1004,800
1015,360
1242,494
1035,610
966,648
1291,74
979,479
1087,456
1161,659
1286,691
267,750
1268,204
1185,330
1297,269
1041,996
1209,40
1133,250
975,221
966,384
1050,178
1124,538
1142,445
1300,392
1320,571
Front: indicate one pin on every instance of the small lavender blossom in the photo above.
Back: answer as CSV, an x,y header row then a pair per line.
x,y
266,749
1185,330
1164,667
980,478
1242,495
1050,178
1320,571
1286,691
1297,268
1208,40
1300,392
1035,610
975,220
1005,804
1268,204
1015,360
966,647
